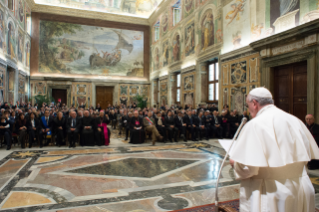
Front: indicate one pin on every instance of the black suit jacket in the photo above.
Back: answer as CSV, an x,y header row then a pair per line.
x,y
50,123
133,122
169,121
189,121
36,124
77,123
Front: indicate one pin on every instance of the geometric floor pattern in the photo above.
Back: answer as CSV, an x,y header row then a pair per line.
x,y
118,178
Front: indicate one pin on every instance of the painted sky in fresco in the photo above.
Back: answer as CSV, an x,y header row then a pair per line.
x,y
138,8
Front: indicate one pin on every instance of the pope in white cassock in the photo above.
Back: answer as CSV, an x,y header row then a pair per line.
x,y
270,158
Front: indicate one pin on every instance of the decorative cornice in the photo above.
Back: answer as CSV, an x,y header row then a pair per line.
x,y
22,73
163,78
88,14
188,69
211,52
293,34
242,52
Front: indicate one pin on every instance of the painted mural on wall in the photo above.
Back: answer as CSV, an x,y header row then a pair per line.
x,y
11,40
189,39
20,46
188,89
2,30
188,7
156,59
163,92
236,24
176,47
127,93
207,29
165,55
20,13
140,8
164,23
40,88
80,49
27,53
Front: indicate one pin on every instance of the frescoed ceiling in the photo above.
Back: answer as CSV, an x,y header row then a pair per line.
x,y
136,8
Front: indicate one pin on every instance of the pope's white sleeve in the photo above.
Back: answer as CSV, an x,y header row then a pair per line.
x,y
243,172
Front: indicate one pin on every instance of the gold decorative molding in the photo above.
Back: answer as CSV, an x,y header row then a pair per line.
x,y
88,14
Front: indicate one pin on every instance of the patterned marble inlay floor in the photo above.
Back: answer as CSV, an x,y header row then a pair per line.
x,y
120,178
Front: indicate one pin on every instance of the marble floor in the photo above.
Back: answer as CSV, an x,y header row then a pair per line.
x,y
117,178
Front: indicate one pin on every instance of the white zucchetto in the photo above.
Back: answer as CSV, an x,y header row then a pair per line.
x,y
261,92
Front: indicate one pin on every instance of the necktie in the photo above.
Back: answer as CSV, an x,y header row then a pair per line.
x,y
216,122
47,120
73,123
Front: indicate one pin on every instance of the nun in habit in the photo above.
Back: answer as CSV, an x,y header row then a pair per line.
x,y
270,158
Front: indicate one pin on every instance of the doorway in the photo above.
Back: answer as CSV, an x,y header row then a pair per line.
x,y
290,89
60,94
104,96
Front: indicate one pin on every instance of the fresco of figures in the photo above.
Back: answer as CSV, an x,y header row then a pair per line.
x,y
2,31
189,39
11,40
176,47
20,46
81,49
207,28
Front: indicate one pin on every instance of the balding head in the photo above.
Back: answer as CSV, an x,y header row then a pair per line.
x,y
310,119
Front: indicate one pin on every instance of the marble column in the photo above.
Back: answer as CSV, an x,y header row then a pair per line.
x,y
172,88
16,85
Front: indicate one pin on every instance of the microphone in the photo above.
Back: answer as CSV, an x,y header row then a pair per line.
x,y
243,122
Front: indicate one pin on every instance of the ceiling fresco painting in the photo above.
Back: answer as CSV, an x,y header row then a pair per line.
x,y
137,8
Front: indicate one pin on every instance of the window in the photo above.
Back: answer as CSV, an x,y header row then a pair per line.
x,y
157,31
29,24
213,82
178,88
10,4
177,14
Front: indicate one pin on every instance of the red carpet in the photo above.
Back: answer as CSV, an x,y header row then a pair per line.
x,y
232,206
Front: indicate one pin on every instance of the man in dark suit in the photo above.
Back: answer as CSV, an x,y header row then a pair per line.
x,y
160,125
137,129
201,128
73,128
216,125
190,124
126,124
180,125
33,125
46,124
242,116
170,126
207,119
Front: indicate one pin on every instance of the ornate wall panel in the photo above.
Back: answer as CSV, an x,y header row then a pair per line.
x,y
188,87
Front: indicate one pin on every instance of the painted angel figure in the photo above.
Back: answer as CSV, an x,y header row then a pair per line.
x,y
235,12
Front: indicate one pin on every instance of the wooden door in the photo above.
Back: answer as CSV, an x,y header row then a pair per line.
x,y
104,96
59,94
290,93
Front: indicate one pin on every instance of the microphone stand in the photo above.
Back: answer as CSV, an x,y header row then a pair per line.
x,y
243,122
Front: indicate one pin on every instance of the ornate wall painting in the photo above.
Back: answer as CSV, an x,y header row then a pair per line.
x,y
20,14
2,31
27,53
238,96
189,98
40,88
156,59
21,84
252,87
11,40
236,25
20,46
219,36
11,80
90,50
188,7
164,23
176,47
10,97
189,83
189,39
123,94
207,29
238,72
163,92
81,89
134,90
145,90
80,100
253,70
165,55
225,74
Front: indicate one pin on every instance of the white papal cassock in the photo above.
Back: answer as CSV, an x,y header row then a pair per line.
x,y
270,157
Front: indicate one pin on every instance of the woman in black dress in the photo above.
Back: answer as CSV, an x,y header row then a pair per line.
x,y
60,127
21,129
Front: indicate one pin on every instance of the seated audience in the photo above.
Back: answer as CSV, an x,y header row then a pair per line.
x,y
60,128
21,129
33,128
136,129
88,127
46,127
104,133
170,127
150,127
160,125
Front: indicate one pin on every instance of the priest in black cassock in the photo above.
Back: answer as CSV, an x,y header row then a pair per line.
x,y
137,130
88,126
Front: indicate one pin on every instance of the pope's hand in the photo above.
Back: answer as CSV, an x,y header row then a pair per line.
x,y
231,162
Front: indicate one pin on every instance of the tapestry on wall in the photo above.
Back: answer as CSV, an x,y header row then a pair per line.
x,y
82,49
